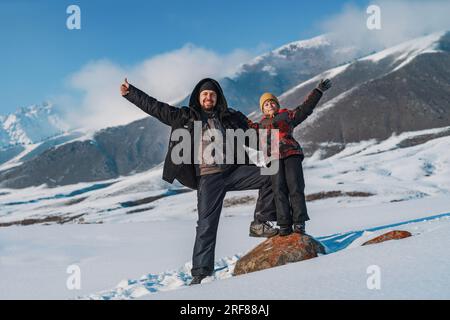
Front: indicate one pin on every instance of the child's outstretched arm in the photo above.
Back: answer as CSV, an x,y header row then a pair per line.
x,y
304,110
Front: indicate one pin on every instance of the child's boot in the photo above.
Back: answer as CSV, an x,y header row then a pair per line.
x,y
285,230
299,228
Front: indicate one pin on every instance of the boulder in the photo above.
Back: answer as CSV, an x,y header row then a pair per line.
x,y
278,251
392,235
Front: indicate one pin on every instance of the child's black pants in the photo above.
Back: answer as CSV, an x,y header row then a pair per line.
x,y
289,191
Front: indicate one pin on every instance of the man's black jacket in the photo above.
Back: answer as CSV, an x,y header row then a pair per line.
x,y
184,117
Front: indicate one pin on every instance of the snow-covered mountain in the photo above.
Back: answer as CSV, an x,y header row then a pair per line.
x,y
30,131
95,156
403,88
283,68
31,124
400,89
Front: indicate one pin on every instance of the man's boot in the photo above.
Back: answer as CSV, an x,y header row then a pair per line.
x,y
197,279
262,229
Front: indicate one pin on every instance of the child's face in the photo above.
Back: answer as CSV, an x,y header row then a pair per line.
x,y
270,108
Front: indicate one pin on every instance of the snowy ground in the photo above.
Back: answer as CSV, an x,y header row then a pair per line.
x,y
135,259
142,250
412,268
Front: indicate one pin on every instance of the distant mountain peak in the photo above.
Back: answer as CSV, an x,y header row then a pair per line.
x,y
31,124
318,41
282,52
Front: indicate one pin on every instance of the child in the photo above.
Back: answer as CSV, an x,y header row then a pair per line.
x,y
288,184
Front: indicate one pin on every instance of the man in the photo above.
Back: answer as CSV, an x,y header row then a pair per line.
x,y
211,180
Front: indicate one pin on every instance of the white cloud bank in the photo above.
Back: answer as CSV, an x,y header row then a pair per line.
x,y
401,20
169,77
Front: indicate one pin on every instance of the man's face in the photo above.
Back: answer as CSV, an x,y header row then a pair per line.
x,y
270,108
208,99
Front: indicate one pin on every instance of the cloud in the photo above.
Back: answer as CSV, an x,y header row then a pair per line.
x,y
169,77
401,20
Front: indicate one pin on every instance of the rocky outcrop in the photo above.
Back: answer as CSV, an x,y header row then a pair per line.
x,y
278,251
392,235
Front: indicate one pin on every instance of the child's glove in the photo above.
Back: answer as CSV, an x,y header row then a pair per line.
x,y
324,85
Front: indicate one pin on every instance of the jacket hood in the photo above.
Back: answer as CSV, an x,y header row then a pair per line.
x,y
221,104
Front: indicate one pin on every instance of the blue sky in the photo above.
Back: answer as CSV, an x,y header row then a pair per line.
x,y
39,53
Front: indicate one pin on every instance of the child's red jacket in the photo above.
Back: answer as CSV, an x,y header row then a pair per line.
x,y
285,121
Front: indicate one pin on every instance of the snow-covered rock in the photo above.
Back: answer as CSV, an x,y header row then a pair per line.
x,y
278,251
392,235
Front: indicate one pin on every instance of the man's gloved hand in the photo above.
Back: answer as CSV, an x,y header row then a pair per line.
x,y
324,85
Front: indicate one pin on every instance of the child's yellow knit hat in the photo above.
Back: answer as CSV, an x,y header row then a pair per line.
x,y
267,96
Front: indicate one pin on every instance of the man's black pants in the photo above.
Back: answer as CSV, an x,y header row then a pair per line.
x,y
289,190
210,194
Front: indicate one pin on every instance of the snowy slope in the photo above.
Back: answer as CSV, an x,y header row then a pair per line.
x,y
145,259
405,52
399,56
378,95
144,250
413,268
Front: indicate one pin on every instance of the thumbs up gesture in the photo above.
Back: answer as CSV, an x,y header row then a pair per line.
x,y
124,88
